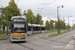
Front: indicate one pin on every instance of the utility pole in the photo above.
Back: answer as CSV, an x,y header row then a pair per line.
x,y
68,22
58,16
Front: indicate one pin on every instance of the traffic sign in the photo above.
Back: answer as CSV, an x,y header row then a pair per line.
x,y
31,29
54,23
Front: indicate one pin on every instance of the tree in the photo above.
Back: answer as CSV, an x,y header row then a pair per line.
x,y
2,16
13,10
51,23
30,17
38,19
62,24
41,22
24,13
74,26
47,24
67,26
0,23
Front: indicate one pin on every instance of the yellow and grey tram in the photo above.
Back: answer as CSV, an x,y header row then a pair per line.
x,y
18,28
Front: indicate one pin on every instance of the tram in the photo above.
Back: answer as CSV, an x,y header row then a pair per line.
x,y
18,28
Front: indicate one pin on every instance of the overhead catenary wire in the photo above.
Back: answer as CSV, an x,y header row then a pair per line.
x,y
46,5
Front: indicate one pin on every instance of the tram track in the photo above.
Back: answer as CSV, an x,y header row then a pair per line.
x,y
25,46
32,44
18,44
52,40
43,36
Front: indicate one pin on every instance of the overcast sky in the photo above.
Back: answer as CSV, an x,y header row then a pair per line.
x,y
49,10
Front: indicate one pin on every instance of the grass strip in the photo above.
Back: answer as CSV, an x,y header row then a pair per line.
x,y
55,34
2,38
50,34
33,34
4,33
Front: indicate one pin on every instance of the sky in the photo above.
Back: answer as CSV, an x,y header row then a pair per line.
x,y
47,8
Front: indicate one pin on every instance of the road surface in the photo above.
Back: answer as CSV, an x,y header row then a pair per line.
x,y
42,42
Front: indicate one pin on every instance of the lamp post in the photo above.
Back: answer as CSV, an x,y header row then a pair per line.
x,y
58,15
68,22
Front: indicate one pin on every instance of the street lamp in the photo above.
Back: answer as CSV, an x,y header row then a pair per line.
x,y
68,22
58,15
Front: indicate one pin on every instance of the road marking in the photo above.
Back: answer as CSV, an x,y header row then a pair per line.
x,y
70,45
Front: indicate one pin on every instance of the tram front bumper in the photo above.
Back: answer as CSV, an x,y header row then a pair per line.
x,y
18,38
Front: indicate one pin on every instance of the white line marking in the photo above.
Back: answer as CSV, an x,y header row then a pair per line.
x,y
70,45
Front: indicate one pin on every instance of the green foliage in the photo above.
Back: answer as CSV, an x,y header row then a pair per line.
x,y
51,23
4,33
41,22
13,10
30,17
38,19
67,26
2,38
2,16
0,22
55,34
34,34
47,24
24,13
74,26
62,24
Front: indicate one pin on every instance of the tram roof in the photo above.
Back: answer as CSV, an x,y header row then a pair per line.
x,y
36,25
18,17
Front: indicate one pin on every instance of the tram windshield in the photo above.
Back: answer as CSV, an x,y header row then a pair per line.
x,y
19,28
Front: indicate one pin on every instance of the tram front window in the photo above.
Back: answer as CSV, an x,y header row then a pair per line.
x,y
18,28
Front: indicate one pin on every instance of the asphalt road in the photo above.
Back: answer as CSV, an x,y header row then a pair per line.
x,y
42,42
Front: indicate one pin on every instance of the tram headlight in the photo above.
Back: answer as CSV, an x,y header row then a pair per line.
x,y
11,34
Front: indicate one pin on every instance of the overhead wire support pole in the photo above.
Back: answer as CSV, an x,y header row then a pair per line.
x,y
68,22
58,18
